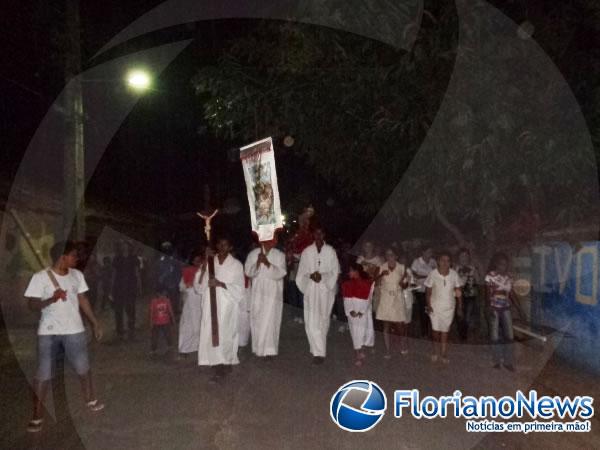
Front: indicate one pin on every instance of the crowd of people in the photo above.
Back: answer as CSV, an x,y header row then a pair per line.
x,y
218,303
428,298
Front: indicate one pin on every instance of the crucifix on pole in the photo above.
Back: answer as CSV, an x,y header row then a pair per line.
x,y
210,261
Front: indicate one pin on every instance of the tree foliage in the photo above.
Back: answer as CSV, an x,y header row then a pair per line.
x,y
490,117
356,108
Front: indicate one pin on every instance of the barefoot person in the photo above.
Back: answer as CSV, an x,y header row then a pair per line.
x,y
317,276
59,293
357,293
266,267
229,284
443,288
392,309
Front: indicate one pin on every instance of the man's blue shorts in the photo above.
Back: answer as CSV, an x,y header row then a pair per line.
x,y
75,348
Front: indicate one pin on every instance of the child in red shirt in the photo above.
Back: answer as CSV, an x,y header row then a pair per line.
x,y
161,319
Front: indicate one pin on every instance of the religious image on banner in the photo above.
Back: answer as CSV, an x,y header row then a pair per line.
x,y
263,194
258,162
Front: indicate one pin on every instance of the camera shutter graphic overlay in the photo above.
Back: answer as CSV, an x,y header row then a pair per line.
x,y
356,398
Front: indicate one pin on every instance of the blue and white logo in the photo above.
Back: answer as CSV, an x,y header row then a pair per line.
x,y
358,406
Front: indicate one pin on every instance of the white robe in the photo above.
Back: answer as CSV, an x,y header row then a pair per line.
x,y
231,272
189,323
267,301
361,328
244,317
318,297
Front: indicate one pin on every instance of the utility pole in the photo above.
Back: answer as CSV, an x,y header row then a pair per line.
x,y
74,150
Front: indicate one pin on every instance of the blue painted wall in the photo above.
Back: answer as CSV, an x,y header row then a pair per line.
x,y
566,287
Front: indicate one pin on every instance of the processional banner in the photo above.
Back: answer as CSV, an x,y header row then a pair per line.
x,y
258,163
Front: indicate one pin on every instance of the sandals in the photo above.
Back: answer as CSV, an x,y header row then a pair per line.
x,y
35,425
95,405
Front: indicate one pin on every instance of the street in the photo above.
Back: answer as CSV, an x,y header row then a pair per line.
x,y
162,403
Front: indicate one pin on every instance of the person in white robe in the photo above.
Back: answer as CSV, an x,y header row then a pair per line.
x,y
317,276
244,314
266,266
189,323
229,284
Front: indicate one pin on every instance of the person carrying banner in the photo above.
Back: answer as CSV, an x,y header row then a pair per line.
x,y
317,276
229,284
266,266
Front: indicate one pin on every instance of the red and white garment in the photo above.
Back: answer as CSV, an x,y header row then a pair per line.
x,y
358,294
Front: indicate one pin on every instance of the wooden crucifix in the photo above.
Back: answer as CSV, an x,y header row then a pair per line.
x,y
214,321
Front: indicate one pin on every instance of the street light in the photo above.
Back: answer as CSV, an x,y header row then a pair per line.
x,y
138,80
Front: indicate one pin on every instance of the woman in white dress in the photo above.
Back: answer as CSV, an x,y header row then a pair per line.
x,y
443,290
392,308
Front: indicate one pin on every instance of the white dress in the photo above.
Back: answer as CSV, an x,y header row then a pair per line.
x,y
392,305
231,272
318,297
266,305
443,302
